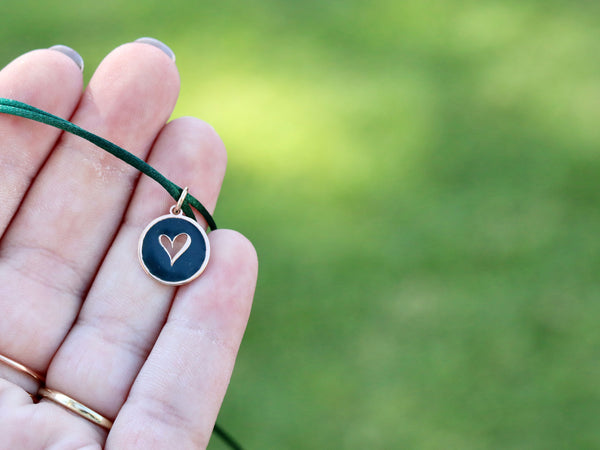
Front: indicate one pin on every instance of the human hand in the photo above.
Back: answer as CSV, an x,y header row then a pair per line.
x,y
75,305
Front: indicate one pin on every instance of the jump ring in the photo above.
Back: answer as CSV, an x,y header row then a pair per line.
x,y
76,407
182,197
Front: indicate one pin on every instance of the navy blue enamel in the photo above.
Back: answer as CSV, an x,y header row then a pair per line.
x,y
155,258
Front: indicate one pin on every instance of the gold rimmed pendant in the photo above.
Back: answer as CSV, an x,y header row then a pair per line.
x,y
174,249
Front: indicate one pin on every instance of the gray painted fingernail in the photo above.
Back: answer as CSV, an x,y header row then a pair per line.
x,y
76,57
158,44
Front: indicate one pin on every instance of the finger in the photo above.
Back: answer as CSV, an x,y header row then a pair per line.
x,y
15,407
60,234
24,425
49,80
125,308
12,396
176,397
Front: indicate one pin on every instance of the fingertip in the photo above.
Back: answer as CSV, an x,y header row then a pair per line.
x,y
241,245
207,136
221,299
44,78
129,98
201,148
236,255
158,44
72,54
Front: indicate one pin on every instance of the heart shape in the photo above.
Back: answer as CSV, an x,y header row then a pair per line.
x,y
175,247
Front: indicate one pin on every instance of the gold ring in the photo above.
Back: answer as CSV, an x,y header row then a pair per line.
x,y
76,407
21,368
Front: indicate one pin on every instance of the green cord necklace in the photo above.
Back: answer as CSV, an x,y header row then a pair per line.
x,y
163,246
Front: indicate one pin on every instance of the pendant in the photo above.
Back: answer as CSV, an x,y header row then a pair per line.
x,y
174,249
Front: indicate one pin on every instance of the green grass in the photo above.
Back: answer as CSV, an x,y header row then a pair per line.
x,y
421,181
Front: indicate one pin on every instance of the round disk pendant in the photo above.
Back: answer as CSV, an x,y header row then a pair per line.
x,y
174,249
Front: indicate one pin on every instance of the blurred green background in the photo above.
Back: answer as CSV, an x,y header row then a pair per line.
x,y
421,181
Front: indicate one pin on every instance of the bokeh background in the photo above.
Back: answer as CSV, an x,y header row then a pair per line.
x,y
421,180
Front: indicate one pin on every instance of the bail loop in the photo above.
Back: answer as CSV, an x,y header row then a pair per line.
x,y
182,197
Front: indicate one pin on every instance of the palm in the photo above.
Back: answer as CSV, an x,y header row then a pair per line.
x,y
75,304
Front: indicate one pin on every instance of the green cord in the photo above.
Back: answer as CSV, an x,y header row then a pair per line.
x,y
16,108
227,438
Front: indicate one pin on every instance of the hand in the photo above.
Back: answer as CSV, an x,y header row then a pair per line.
x,y
75,305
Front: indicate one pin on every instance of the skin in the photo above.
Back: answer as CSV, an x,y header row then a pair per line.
x,y
75,304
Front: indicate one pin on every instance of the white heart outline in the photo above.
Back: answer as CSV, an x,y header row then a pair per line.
x,y
181,251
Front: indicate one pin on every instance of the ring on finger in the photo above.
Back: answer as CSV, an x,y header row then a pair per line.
x,y
21,368
35,379
76,407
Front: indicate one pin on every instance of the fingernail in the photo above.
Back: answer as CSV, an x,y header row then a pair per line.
x,y
158,44
76,57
